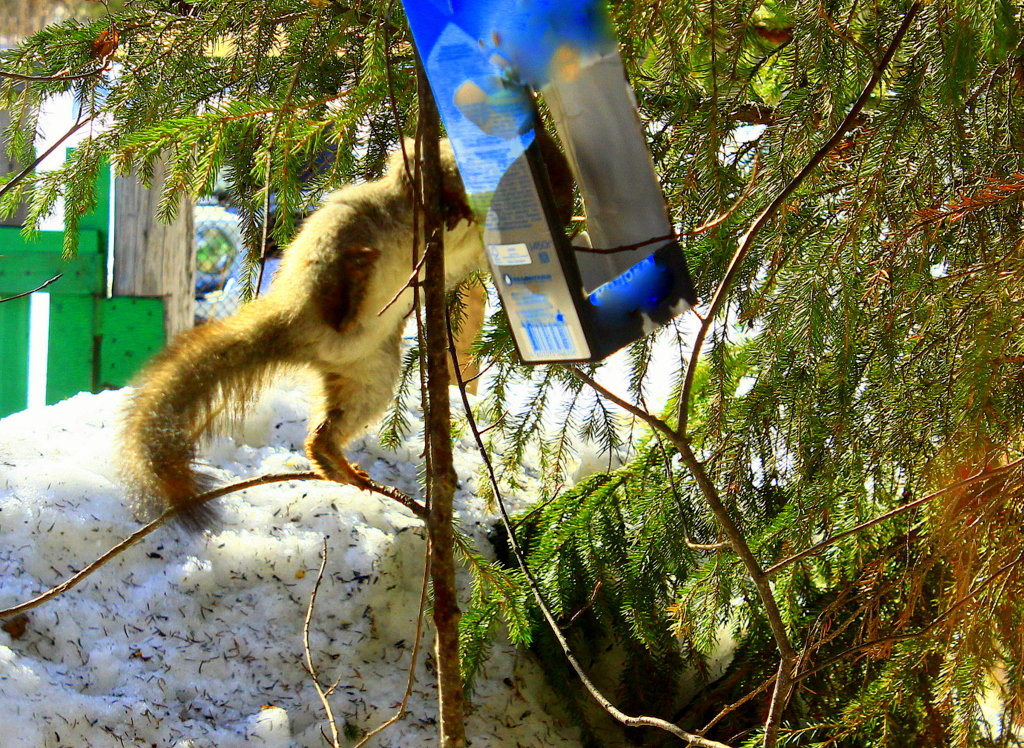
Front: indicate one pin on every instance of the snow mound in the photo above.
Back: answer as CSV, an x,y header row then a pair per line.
x,y
197,642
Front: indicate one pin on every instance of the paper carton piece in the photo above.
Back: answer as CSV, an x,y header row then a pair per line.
x,y
485,59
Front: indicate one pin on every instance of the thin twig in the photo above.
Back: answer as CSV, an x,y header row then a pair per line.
x,y
171,512
408,284
310,667
737,704
736,540
403,707
286,108
959,603
707,546
595,693
34,290
706,226
417,197
980,475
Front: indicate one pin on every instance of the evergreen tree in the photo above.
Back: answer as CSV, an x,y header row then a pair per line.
x,y
859,393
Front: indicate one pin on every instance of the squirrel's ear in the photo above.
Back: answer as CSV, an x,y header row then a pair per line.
x,y
454,203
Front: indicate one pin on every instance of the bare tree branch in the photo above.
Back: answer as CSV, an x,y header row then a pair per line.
x,y
34,290
441,477
171,512
310,666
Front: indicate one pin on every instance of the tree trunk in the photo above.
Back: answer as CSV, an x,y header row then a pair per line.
x,y
441,478
153,258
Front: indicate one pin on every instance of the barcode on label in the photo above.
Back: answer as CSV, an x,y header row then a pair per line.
x,y
549,339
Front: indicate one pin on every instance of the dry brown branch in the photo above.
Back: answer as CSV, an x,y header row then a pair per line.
x,y
310,667
171,513
956,605
726,711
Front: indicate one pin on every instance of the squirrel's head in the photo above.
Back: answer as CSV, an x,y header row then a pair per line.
x,y
453,193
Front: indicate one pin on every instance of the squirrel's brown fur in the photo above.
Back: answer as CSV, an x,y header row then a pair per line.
x,y
323,312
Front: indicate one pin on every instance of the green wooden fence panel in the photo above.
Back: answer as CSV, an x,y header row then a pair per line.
x,y
94,342
14,318
25,265
71,350
131,331
99,219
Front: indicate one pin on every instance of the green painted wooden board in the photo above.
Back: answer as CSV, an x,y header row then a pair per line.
x,y
99,219
14,319
131,331
27,265
71,351
12,241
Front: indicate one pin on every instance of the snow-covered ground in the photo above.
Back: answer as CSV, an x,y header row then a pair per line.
x,y
197,642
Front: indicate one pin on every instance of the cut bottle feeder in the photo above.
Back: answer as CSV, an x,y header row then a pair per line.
x,y
485,60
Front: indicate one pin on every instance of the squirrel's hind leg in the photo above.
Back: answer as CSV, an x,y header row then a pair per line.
x,y
334,425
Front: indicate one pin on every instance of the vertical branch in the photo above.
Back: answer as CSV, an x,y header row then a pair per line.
x,y
321,692
441,477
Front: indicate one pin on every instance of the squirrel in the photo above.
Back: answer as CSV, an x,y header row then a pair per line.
x,y
335,306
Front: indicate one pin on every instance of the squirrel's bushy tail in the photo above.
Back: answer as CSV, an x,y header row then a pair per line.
x,y
206,375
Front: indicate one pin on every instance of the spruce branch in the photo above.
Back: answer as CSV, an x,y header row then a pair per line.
x,y
738,542
78,125
535,590
746,241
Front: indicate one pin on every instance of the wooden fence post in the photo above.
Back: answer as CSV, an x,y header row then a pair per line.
x,y
153,259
